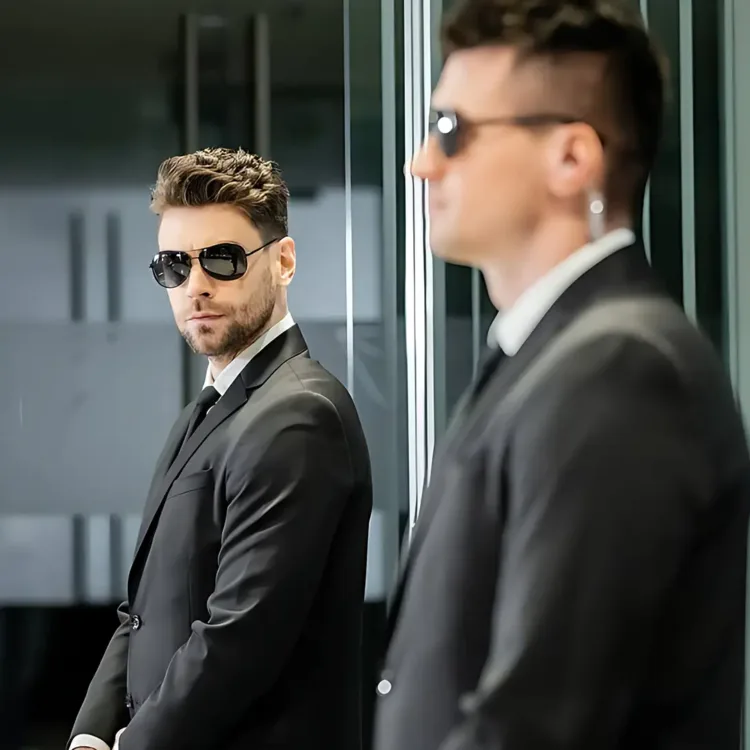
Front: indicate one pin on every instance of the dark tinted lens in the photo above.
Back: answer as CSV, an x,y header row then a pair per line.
x,y
224,262
171,269
445,127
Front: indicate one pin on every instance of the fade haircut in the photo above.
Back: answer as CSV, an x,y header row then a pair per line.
x,y
225,176
624,103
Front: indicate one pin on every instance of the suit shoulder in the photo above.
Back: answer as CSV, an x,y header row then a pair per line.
x,y
653,356
308,376
302,389
640,339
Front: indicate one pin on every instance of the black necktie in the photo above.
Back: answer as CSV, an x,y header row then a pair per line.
x,y
207,398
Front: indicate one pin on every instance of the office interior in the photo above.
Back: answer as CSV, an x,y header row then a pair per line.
x,y
92,372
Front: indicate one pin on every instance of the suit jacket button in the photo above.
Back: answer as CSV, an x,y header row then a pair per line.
x,y
384,687
135,622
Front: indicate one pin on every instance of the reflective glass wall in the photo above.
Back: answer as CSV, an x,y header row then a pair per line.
x,y
92,372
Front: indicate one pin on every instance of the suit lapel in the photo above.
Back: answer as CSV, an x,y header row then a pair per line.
x,y
171,447
232,400
173,458
174,440
467,414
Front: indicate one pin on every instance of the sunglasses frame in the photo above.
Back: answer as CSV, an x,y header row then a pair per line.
x,y
458,125
189,260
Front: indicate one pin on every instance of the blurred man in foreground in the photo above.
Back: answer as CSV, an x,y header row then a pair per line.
x,y
577,576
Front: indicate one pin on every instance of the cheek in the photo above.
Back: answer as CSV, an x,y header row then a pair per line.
x,y
177,303
507,184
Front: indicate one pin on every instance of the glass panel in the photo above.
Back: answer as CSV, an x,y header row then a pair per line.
x,y
375,152
709,265
666,186
99,101
85,333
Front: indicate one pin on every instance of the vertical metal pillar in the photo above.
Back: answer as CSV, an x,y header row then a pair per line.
x,y
646,225
262,71
687,160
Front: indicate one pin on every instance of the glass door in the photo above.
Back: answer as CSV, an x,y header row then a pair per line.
x,y
94,101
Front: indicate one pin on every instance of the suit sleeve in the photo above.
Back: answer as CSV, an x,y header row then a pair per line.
x,y
604,473
286,490
103,711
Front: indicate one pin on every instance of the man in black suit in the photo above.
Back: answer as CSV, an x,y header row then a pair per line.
x,y
577,575
243,619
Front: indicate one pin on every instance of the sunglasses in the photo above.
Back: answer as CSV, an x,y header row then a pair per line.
x,y
450,129
226,261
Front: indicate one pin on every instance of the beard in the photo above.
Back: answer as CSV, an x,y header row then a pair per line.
x,y
245,324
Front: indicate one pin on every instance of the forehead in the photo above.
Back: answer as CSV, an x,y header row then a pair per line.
x,y
196,227
478,81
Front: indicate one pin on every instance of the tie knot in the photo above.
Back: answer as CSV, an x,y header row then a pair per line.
x,y
207,398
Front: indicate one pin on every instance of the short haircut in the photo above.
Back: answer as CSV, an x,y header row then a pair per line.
x,y
630,92
225,176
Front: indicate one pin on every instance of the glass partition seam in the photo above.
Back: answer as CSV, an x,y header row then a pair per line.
x,y
420,302
429,278
729,134
349,259
416,262
191,125
192,83
687,158
439,269
646,222
393,346
262,60
409,277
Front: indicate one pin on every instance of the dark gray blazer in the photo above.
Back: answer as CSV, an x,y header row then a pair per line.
x,y
577,575
242,627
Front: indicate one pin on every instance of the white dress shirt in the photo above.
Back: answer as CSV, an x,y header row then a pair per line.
x,y
224,379
511,328
230,373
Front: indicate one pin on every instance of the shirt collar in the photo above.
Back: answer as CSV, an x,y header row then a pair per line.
x,y
230,373
511,328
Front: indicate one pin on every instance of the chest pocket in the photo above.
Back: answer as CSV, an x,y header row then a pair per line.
x,y
186,522
201,480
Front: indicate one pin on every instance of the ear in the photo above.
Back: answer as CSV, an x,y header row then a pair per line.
x,y
287,260
575,161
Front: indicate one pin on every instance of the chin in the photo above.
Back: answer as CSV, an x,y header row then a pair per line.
x,y
203,343
448,251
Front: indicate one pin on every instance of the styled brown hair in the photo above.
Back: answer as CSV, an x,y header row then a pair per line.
x,y
225,176
629,95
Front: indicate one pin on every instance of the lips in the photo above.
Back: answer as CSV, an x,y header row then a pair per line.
x,y
205,316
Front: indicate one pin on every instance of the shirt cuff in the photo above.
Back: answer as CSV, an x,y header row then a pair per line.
x,y
117,739
88,740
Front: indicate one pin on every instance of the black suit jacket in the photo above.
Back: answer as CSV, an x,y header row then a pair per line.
x,y
242,627
577,576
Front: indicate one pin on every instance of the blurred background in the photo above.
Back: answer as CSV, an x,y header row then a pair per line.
x,y
93,97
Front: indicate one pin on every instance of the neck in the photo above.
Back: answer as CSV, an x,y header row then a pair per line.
x,y
218,364
508,274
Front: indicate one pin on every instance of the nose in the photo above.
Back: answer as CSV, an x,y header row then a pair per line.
x,y
428,162
199,283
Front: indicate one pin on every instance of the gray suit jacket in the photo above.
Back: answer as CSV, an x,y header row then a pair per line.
x,y
577,576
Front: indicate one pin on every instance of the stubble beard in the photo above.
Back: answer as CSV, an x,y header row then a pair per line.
x,y
246,324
